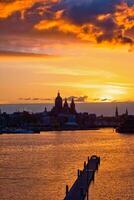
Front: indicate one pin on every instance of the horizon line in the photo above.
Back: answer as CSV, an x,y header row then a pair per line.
x,y
90,102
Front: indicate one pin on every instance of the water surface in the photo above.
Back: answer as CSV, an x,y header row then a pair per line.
x,y
37,167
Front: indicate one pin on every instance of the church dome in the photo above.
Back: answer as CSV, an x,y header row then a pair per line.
x,y
58,98
58,102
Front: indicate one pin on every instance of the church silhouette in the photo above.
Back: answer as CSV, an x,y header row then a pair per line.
x,y
63,107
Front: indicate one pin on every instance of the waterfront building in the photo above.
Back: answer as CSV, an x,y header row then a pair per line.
x,y
63,107
66,107
58,103
72,107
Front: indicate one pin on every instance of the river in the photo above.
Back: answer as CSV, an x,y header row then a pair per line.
x,y
38,167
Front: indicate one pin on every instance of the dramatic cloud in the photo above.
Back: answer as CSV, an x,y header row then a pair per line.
x,y
94,21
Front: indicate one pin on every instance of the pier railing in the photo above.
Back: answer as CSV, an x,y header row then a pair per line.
x,y
79,189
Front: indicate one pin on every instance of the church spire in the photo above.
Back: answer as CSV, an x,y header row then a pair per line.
x,y
65,103
65,106
126,112
116,112
45,109
72,107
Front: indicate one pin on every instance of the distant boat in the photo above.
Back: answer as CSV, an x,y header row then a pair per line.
x,y
127,126
125,130
19,131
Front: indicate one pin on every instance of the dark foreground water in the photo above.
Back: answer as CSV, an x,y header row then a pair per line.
x,y
37,167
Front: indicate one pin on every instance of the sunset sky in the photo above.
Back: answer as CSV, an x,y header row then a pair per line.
x,y
84,48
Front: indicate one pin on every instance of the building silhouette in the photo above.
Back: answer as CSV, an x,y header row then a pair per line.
x,y
116,113
126,112
58,103
62,107
66,107
72,107
63,116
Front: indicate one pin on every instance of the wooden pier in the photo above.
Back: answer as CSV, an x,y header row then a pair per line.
x,y
79,189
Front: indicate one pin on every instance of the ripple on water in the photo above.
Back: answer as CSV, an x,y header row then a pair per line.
x,y
37,167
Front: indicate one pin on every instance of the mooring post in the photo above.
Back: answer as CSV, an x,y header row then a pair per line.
x,y
87,171
67,190
78,173
81,192
93,175
97,166
88,194
84,164
99,160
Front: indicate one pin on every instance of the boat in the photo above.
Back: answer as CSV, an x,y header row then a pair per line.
x,y
18,131
127,126
125,130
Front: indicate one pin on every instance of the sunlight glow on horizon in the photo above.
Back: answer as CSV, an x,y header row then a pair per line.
x,y
104,79
82,48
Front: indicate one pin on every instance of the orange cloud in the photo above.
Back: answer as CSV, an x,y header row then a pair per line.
x,y
125,16
86,32
101,28
61,25
84,21
7,8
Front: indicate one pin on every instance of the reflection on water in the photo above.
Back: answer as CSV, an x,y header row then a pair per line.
x,y
37,167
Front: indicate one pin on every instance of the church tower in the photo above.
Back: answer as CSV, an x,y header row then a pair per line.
x,y
65,103
126,112
72,107
58,103
116,113
65,106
